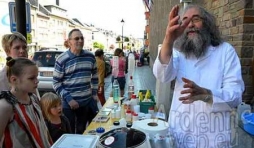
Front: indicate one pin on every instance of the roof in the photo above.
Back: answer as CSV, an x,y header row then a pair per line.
x,y
34,2
76,20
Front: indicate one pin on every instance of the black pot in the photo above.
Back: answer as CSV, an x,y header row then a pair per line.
x,y
123,138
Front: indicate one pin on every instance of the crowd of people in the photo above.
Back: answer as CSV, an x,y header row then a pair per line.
x,y
206,69
78,81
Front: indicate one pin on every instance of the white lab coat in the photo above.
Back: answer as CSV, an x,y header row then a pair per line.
x,y
201,124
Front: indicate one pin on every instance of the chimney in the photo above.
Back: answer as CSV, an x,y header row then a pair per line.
x,y
57,2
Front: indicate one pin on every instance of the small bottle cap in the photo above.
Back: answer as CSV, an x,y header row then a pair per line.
x,y
116,123
129,124
151,108
100,130
133,96
134,114
128,111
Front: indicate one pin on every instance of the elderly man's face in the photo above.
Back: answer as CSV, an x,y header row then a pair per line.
x,y
195,39
76,40
195,24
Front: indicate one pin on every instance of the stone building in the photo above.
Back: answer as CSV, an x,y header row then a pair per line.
x,y
235,18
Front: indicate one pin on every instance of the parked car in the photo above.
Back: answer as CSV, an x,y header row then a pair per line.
x,y
45,60
48,48
108,55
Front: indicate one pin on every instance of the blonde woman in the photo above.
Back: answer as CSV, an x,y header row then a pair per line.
x,y
14,46
56,122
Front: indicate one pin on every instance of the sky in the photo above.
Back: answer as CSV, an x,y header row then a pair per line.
x,y
107,14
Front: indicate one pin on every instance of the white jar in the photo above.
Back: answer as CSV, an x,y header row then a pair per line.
x,y
134,117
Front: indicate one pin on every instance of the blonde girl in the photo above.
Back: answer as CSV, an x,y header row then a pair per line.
x,y
56,122
22,124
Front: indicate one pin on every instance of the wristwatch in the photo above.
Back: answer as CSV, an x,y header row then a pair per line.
x,y
208,97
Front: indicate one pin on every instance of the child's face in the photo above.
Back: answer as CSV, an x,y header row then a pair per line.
x,y
56,110
28,81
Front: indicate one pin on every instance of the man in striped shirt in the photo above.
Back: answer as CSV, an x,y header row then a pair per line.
x,y
75,79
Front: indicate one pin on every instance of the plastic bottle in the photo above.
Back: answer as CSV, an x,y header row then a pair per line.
x,y
131,64
116,91
133,101
243,108
130,88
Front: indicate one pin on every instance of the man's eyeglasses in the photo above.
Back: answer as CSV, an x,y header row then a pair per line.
x,y
194,19
78,38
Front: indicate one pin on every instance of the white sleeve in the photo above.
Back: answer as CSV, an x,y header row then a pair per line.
x,y
230,94
165,72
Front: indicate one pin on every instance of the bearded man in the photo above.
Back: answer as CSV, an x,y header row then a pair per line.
x,y
208,78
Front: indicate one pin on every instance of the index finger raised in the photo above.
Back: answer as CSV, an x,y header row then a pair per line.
x,y
174,12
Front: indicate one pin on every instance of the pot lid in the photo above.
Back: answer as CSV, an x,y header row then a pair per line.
x,y
122,137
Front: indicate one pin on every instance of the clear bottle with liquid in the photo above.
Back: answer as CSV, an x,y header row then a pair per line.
x,y
130,87
116,91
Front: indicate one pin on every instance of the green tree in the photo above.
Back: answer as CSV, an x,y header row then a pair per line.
x,y
118,39
126,39
101,46
96,45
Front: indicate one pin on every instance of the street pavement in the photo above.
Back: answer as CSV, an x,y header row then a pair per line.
x,y
143,79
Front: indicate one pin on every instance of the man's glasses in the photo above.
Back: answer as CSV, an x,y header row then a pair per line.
x,y
78,38
194,19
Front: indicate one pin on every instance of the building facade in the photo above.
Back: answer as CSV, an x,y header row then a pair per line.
x,y
50,25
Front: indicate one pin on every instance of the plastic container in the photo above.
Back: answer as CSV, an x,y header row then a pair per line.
x,y
144,106
248,122
151,111
243,108
134,117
